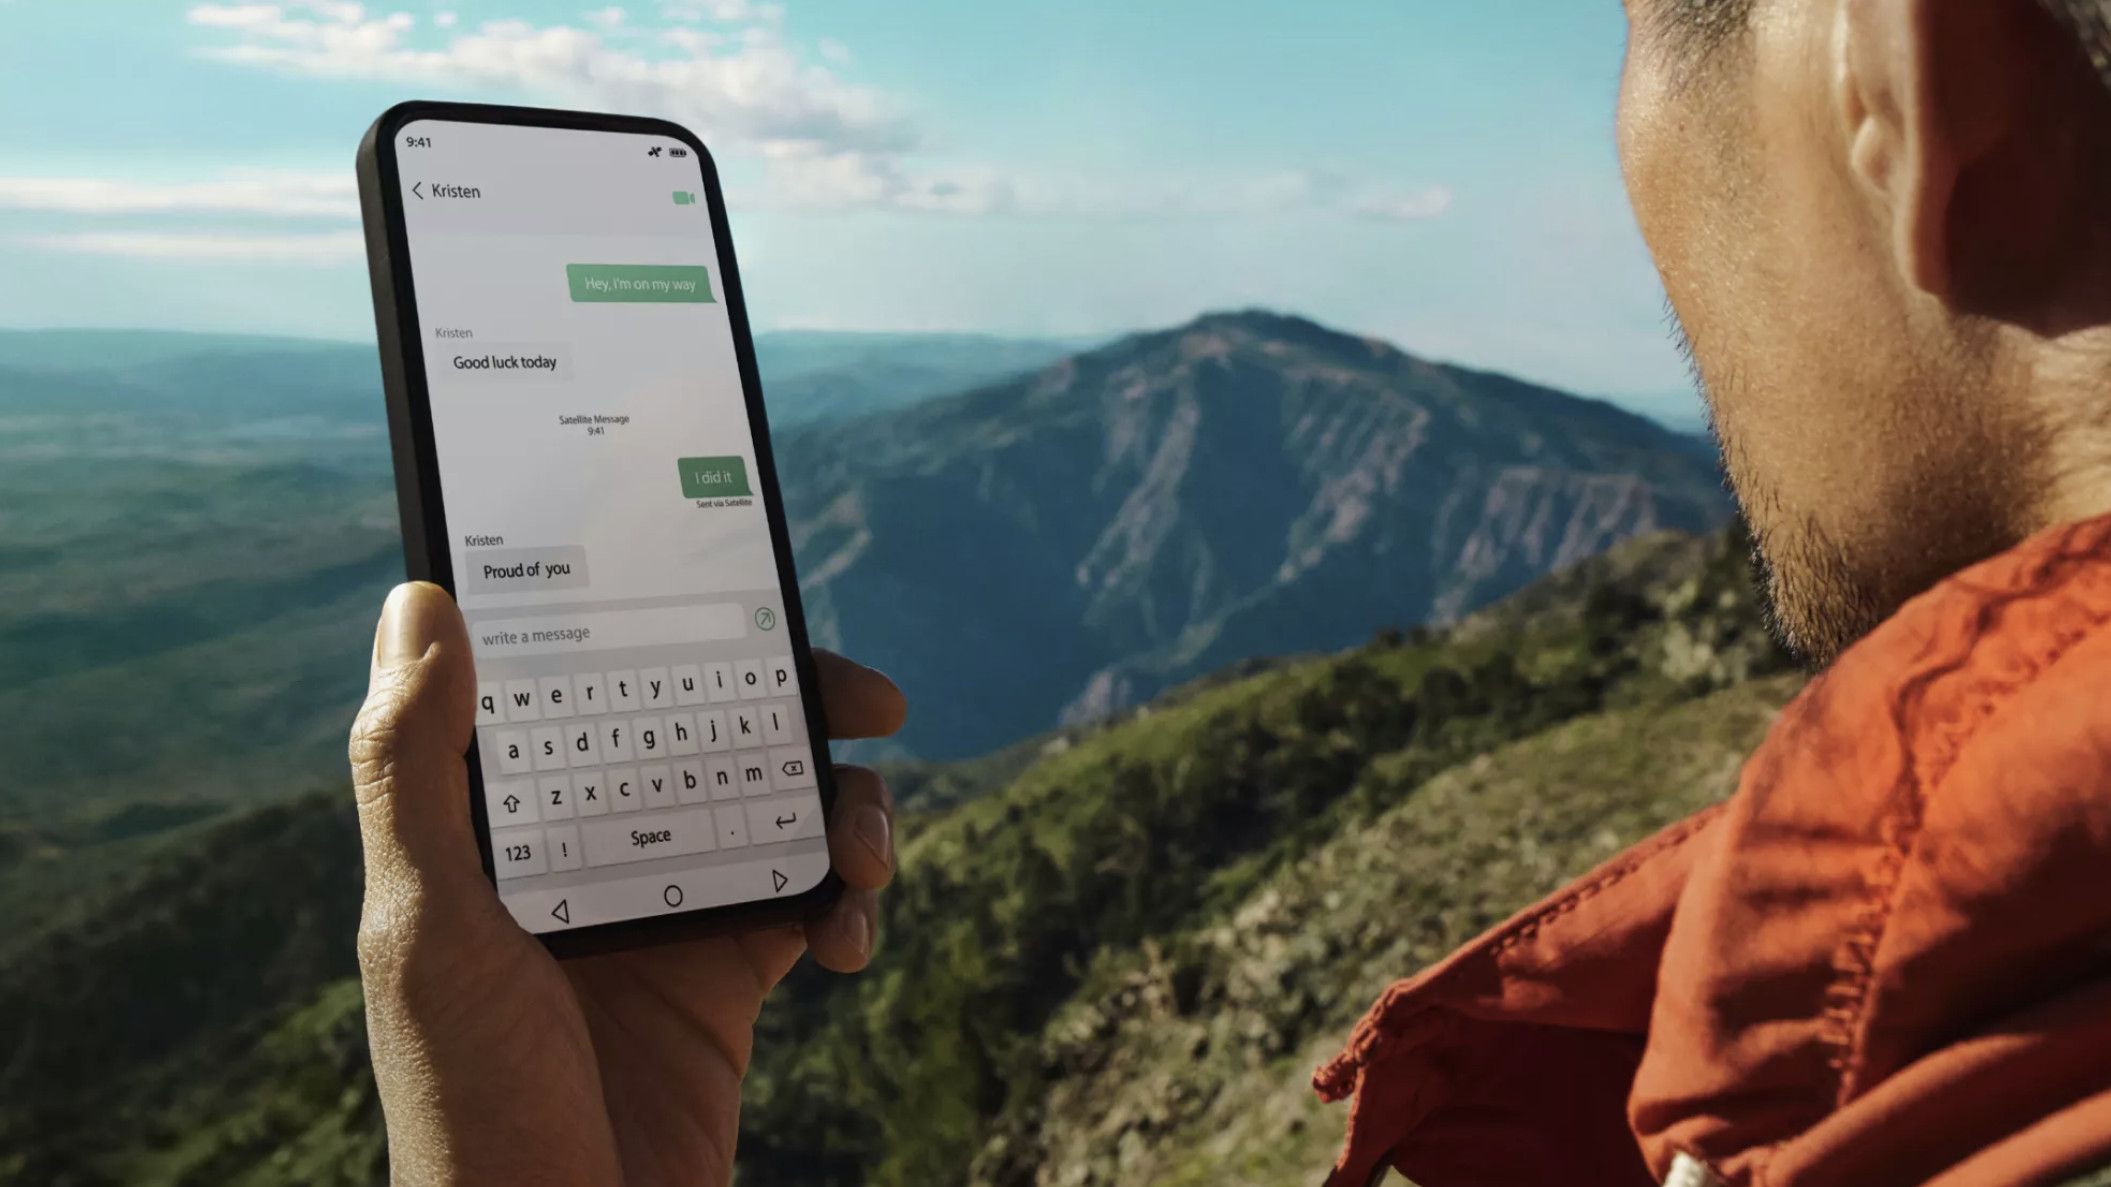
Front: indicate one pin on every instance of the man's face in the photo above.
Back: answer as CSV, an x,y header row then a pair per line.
x,y
1850,418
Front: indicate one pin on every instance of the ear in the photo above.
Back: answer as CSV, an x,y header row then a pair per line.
x,y
1959,120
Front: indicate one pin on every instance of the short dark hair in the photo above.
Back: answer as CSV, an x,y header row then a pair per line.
x,y
2090,22
1711,24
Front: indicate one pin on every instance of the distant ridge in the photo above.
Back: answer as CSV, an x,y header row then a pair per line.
x,y
113,350
1056,540
1057,546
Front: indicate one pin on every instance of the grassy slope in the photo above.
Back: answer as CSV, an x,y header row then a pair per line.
x,y
1189,1063
1017,915
135,1004
1136,836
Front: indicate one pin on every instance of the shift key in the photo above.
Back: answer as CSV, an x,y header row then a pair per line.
x,y
675,834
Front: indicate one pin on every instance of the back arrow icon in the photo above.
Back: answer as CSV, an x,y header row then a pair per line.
x,y
563,910
415,190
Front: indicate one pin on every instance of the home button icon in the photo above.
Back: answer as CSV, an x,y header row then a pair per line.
x,y
672,895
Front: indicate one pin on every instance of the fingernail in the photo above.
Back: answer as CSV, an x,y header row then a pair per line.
x,y
406,631
861,932
876,832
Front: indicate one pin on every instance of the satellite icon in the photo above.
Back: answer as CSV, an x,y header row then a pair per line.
x,y
653,151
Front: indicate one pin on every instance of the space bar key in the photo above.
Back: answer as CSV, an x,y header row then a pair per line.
x,y
676,834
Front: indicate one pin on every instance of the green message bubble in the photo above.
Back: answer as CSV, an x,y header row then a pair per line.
x,y
714,477
640,282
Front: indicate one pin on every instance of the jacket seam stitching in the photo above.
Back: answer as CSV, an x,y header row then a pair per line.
x,y
1524,929
1900,823
1384,1020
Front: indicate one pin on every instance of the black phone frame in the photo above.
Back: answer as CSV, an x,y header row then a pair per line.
x,y
423,514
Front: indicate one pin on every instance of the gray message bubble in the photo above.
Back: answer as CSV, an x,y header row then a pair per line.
x,y
501,362
523,570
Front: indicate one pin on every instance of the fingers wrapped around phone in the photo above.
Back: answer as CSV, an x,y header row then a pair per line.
x,y
861,845
842,940
860,702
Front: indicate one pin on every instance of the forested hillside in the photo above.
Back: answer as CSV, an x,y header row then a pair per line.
x,y
1110,958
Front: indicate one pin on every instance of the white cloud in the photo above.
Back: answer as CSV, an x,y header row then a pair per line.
x,y
751,91
819,142
319,248
252,192
722,11
1400,206
336,10
847,181
727,69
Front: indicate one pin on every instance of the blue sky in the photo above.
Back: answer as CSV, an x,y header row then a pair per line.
x,y
1441,174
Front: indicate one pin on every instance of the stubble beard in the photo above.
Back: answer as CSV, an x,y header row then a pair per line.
x,y
1811,602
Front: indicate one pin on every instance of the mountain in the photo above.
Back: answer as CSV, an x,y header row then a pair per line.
x,y
104,351
811,376
1062,545
1117,964
199,530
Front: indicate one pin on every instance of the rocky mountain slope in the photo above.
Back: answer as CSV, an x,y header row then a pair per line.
x,y
1067,544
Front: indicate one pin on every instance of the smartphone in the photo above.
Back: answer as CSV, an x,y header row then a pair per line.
x,y
582,460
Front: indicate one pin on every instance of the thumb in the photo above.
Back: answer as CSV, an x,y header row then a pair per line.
x,y
407,752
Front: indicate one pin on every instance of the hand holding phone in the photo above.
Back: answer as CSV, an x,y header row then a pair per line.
x,y
495,1062
583,462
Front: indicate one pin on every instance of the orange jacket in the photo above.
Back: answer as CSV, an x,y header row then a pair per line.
x,y
1886,959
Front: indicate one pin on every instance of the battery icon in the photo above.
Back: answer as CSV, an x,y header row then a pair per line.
x,y
677,151
684,198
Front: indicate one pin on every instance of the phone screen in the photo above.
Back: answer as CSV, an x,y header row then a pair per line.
x,y
642,738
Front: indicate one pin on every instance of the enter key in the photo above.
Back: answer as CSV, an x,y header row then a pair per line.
x,y
785,819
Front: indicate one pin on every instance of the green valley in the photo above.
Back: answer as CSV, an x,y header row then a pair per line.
x,y
196,530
